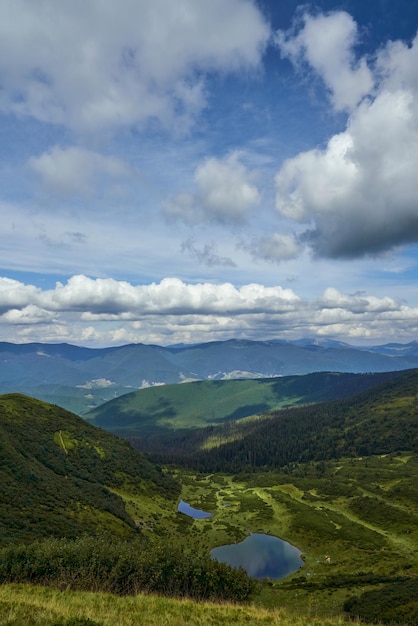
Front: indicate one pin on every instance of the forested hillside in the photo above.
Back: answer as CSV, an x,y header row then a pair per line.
x,y
381,420
59,476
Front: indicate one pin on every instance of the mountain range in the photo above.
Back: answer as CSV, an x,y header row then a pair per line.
x,y
80,378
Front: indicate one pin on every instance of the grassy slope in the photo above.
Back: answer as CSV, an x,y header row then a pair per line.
x,y
315,513
198,404
60,476
37,606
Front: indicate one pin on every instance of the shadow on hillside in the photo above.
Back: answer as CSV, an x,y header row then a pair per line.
x,y
245,411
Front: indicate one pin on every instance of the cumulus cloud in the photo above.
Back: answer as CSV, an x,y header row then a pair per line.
x,y
356,303
30,314
107,311
325,43
14,294
74,170
108,299
225,193
123,63
358,195
170,296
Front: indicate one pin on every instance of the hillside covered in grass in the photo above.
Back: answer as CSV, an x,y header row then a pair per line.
x,y
60,476
189,406
37,606
380,420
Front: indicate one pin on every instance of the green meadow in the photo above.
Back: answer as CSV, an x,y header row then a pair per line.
x,y
355,521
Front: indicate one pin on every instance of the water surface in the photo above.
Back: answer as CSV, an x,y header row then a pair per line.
x,y
262,556
185,508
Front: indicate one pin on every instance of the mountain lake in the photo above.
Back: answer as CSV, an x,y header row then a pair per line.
x,y
262,556
185,508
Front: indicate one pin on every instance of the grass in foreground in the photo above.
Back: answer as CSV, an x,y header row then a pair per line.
x,y
40,606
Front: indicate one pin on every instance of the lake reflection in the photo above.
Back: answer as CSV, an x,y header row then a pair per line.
x,y
262,556
185,508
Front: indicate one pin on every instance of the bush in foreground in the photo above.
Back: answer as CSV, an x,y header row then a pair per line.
x,y
124,568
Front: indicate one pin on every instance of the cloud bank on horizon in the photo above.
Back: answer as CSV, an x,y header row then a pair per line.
x,y
192,171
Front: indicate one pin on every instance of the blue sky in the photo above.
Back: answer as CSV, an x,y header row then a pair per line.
x,y
194,171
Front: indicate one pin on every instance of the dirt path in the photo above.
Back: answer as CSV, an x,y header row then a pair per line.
x,y
62,442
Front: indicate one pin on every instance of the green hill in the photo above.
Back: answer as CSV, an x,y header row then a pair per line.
x,y
60,476
159,410
81,509
380,420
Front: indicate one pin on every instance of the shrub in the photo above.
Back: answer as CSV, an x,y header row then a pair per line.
x,y
124,568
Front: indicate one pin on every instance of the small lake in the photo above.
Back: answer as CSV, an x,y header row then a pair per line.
x,y
185,508
262,556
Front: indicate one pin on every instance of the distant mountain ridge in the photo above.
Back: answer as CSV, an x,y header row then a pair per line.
x,y
80,378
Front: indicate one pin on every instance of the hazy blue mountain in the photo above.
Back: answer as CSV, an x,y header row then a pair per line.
x,y
397,349
81,378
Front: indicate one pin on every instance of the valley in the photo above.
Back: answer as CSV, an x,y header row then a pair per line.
x,y
330,467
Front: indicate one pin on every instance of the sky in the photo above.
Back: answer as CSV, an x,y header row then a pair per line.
x,y
193,171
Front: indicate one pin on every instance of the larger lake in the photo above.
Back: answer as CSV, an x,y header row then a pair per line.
x,y
262,556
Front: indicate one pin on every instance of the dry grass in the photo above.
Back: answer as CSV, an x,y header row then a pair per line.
x,y
39,606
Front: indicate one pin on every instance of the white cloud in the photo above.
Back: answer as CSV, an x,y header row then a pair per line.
x,y
170,296
74,170
30,314
106,311
226,193
326,43
14,294
94,64
359,194
356,303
